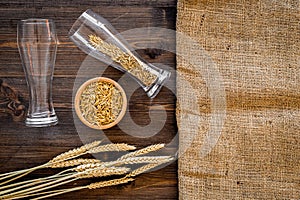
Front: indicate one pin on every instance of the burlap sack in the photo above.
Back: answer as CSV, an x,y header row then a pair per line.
x,y
253,47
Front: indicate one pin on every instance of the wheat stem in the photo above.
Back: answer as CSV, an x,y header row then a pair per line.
x,y
29,183
89,173
90,186
10,174
57,192
46,194
37,188
21,173
34,193
12,179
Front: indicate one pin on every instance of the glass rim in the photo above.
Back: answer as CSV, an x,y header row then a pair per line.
x,y
35,21
90,16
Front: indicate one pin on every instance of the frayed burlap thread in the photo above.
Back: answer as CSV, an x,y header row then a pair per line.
x,y
256,48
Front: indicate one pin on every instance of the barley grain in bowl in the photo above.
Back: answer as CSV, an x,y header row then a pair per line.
x,y
100,103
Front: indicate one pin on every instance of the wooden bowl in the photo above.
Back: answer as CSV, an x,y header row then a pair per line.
x,y
77,102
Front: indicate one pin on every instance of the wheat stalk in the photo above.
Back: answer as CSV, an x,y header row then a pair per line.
x,y
71,163
126,179
88,173
90,186
123,180
74,152
62,160
63,164
143,151
62,157
87,168
109,183
104,171
139,160
143,169
112,147
29,183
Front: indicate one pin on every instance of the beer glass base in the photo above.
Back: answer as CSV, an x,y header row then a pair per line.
x,y
155,88
41,121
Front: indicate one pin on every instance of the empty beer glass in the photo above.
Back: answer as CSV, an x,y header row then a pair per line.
x,y
37,42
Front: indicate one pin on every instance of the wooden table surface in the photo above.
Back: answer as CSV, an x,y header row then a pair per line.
x,y
23,147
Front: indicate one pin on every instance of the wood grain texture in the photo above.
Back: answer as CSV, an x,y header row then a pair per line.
x,y
23,147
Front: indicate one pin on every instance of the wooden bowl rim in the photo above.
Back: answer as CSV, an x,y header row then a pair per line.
x,y
77,100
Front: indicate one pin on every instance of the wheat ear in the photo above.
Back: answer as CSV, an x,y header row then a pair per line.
x,y
112,147
74,162
74,152
87,173
62,157
88,168
143,151
126,179
138,160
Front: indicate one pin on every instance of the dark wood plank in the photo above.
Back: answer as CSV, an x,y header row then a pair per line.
x,y
23,147
38,4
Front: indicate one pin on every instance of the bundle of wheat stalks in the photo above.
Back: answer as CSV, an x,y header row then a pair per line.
x,y
79,168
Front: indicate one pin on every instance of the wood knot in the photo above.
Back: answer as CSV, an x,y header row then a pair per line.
x,y
10,102
153,53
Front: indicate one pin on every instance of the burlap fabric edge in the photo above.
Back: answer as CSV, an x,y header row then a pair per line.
x,y
255,46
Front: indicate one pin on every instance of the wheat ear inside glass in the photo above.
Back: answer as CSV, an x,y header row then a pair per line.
x,y
97,37
37,43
